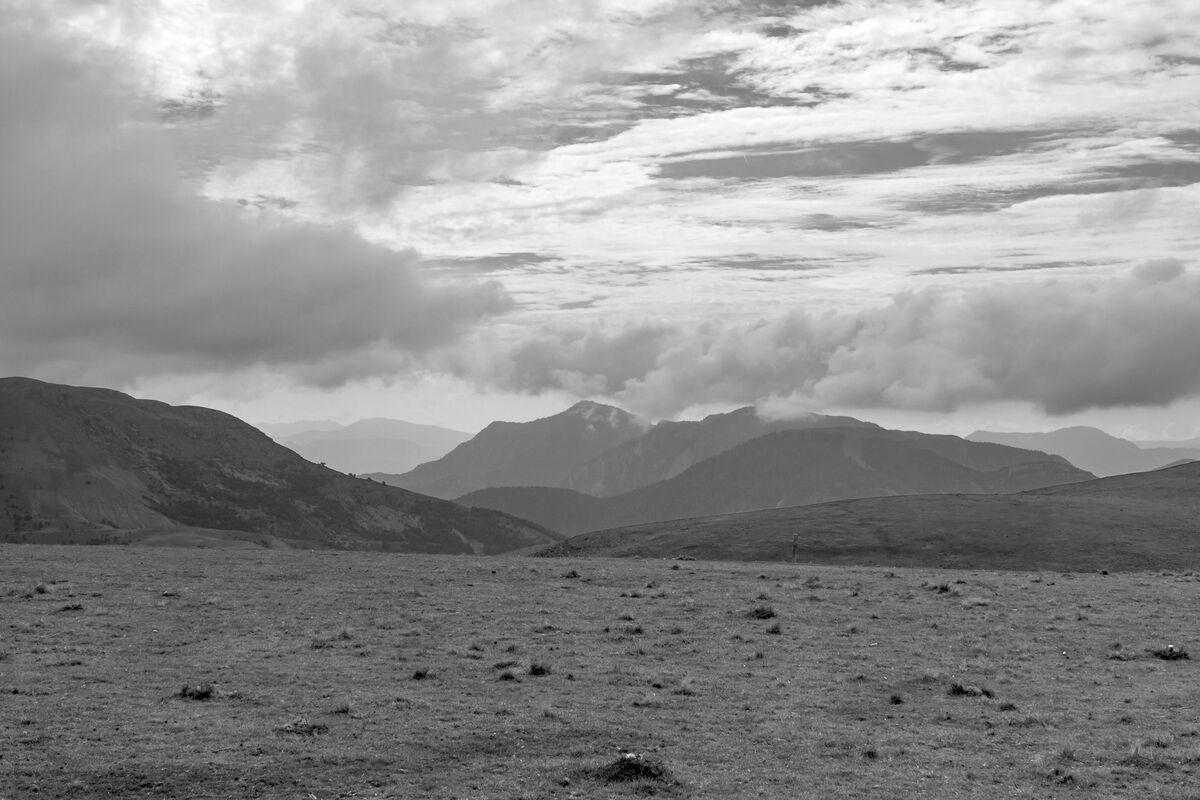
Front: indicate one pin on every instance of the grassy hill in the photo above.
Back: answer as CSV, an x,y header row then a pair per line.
x,y
1127,522
790,468
669,448
94,464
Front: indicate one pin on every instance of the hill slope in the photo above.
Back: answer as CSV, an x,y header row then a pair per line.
x,y
1092,449
795,468
78,459
537,453
1144,521
669,448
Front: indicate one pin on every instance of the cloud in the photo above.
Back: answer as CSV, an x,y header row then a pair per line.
x,y
1063,346
113,267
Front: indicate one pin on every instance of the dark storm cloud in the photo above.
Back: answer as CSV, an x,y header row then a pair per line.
x,y
1063,346
112,267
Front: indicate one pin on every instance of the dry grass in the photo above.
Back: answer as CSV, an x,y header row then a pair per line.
x,y
854,697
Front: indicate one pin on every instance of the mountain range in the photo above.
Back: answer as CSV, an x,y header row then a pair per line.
x,y
94,465
1140,521
1094,450
95,460
537,453
793,467
371,445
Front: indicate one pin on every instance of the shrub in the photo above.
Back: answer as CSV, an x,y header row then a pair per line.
x,y
1170,653
633,767
200,692
763,612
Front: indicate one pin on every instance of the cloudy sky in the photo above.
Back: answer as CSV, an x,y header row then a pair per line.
x,y
942,215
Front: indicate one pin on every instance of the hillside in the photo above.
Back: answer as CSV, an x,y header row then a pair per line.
x,y
792,468
537,453
669,448
1092,449
1143,521
79,459
375,445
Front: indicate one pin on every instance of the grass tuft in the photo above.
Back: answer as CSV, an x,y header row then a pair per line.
x,y
199,692
302,727
635,768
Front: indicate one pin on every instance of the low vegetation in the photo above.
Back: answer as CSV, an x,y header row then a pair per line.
x,y
444,676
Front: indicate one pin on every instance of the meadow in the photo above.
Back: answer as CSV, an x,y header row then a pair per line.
x,y
138,672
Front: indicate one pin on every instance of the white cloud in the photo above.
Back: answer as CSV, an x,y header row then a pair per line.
x,y
113,267
1061,345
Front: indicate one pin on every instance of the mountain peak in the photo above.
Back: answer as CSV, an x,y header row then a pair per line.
x,y
599,414
588,408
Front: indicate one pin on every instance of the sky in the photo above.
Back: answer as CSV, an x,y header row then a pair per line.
x,y
937,215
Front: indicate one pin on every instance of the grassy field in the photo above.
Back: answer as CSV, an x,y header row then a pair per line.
x,y
184,673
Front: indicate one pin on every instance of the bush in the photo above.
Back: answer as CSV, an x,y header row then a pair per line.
x,y
200,692
763,612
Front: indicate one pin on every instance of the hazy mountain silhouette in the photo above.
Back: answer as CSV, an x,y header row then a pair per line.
x,y
1189,444
669,448
282,430
375,445
537,453
1141,521
80,459
1091,449
793,468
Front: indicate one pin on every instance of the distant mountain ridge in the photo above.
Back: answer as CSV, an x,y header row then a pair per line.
x,y
1091,449
621,455
535,453
84,459
669,448
795,467
377,444
1140,521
